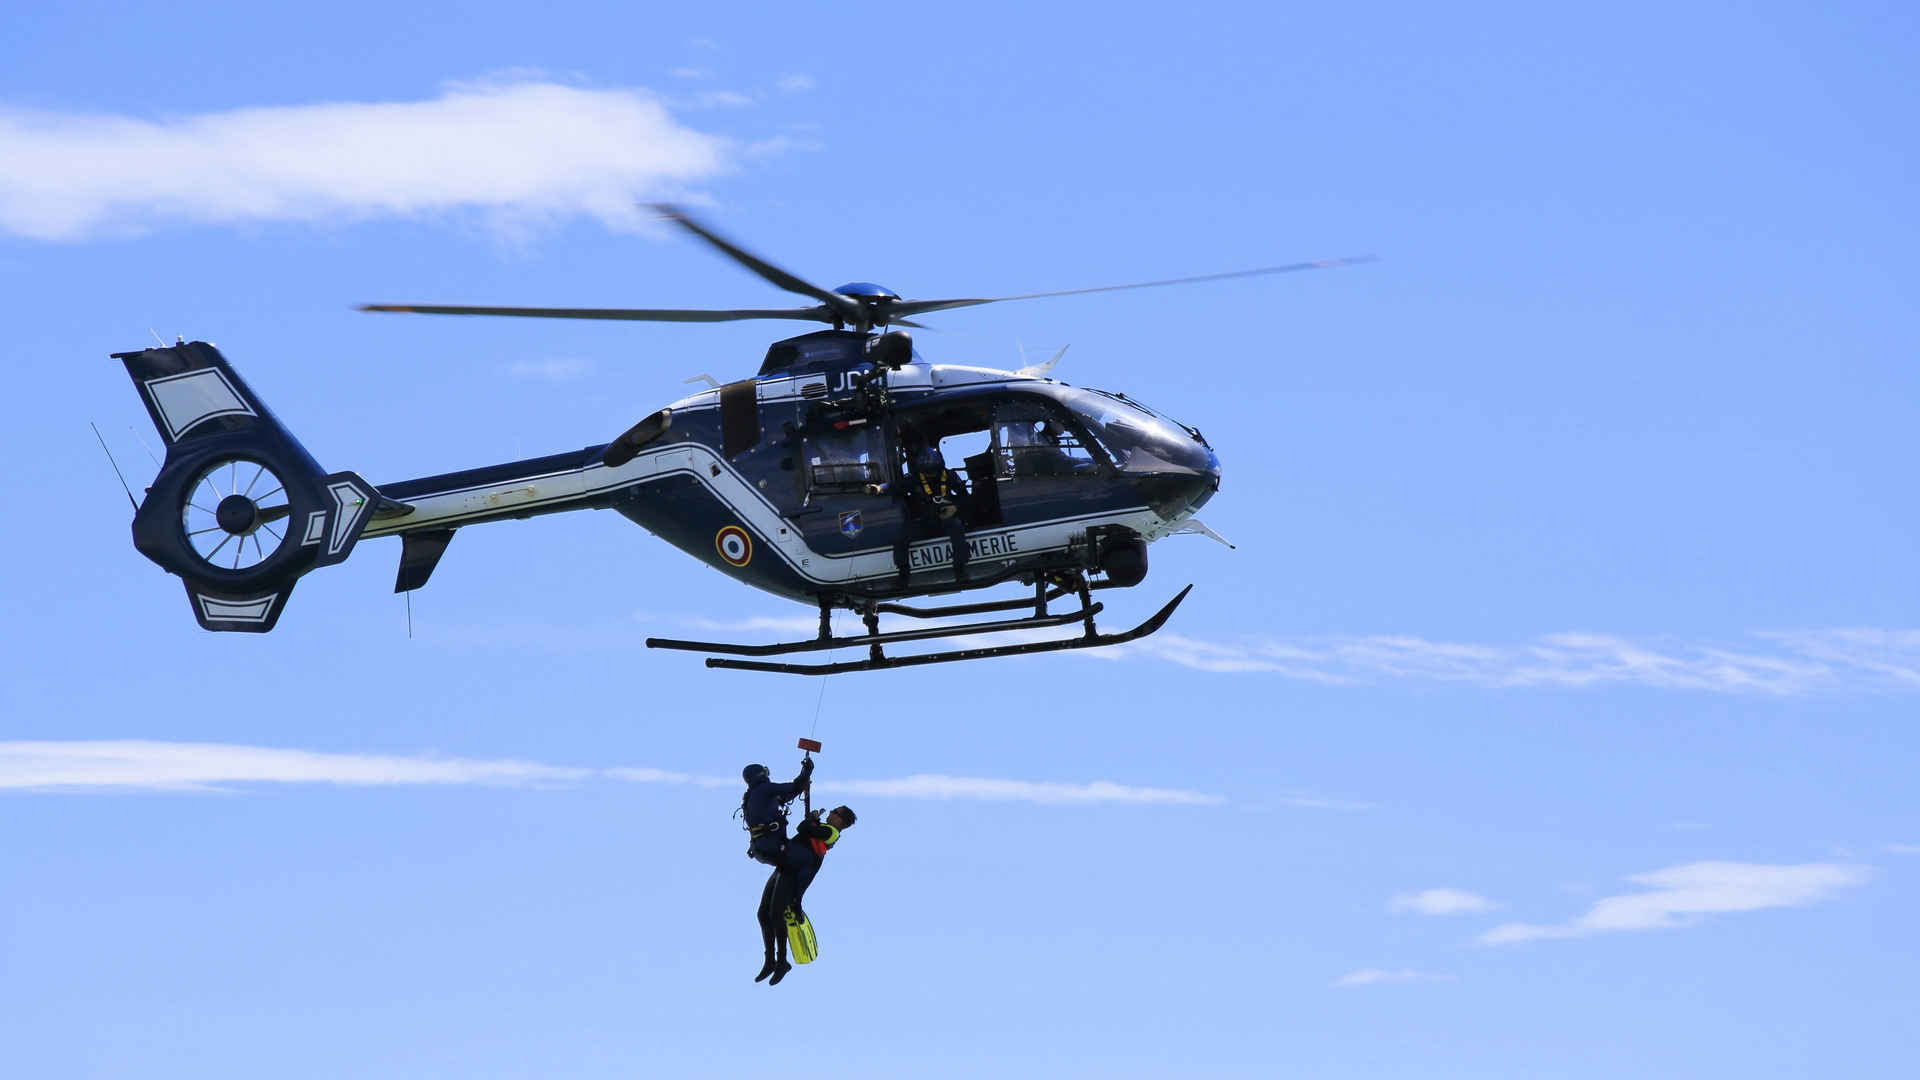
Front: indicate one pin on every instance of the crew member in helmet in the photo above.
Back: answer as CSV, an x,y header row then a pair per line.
x,y
935,497
788,884
764,808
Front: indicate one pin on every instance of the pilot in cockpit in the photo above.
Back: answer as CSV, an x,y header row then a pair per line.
x,y
1039,448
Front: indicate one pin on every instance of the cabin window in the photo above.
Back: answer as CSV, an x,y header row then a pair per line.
x,y
846,461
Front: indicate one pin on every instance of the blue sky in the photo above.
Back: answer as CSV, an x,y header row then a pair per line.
x,y
1553,715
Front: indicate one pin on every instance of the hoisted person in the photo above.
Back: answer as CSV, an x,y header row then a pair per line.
x,y
780,900
764,809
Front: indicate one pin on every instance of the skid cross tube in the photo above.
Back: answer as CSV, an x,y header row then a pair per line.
x,y
1090,640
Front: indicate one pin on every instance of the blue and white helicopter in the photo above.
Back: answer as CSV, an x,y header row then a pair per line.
x,y
776,480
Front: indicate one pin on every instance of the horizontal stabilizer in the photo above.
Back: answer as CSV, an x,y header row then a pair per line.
x,y
336,527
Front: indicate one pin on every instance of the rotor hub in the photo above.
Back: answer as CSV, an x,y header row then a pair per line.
x,y
237,514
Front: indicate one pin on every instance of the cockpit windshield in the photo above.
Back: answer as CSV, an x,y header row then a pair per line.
x,y
1137,439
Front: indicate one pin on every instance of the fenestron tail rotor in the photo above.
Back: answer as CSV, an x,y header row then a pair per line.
x,y
860,305
234,515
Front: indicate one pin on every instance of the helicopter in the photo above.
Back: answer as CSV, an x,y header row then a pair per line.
x,y
779,480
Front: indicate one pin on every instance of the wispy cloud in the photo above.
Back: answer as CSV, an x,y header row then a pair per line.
x,y
1893,655
935,786
1682,895
1440,902
1372,976
523,150
171,766
1771,663
1778,665
783,624
136,765
793,84
722,99
1903,849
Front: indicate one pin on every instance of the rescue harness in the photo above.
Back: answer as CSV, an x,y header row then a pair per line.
x,y
927,488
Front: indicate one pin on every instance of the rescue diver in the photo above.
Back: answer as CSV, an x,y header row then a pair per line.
x,y
764,809
934,496
787,885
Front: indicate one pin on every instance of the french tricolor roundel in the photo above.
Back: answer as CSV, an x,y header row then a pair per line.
x,y
734,545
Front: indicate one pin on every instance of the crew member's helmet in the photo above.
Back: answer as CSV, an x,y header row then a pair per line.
x,y
753,774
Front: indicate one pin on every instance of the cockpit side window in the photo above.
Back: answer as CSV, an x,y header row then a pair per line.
x,y
1032,440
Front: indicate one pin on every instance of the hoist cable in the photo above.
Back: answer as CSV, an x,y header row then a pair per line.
x,y
821,700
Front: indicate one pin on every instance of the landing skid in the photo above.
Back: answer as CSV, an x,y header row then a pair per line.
x,y
874,640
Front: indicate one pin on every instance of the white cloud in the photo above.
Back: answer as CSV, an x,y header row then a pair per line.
x,y
1903,849
934,786
794,84
1804,663
135,765
784,624
1681,895
1370,976
1440,902
527,150
170,766
1780,664
722,99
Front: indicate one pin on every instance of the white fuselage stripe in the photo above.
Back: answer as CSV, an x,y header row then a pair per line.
x,y
532,493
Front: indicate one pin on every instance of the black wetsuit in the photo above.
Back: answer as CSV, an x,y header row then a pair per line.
x,y
788,884
765,811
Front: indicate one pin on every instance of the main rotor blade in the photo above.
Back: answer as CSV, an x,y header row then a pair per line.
x,y
919,307
699,315
848,308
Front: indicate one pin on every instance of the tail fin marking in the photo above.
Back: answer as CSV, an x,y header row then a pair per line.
x,y
184,401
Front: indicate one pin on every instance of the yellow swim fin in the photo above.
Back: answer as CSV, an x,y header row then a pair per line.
x,y
801,944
